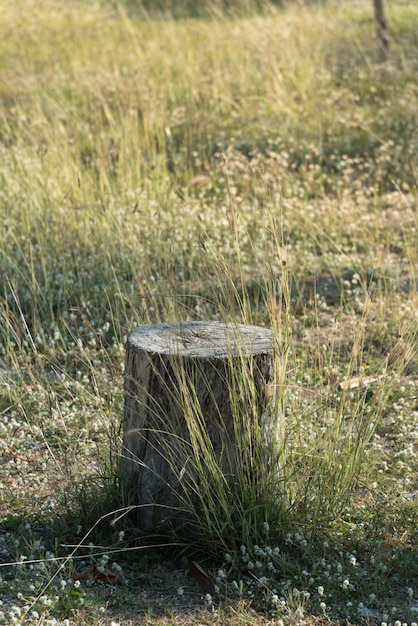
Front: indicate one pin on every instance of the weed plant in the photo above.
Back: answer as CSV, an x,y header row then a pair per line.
x,y
253,167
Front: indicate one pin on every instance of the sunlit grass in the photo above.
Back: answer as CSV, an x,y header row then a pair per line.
x,y
256,168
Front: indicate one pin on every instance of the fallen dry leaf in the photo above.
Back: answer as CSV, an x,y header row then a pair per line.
x,y
95,574
359,381
201,577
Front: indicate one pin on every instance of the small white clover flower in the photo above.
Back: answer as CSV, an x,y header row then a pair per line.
x,y
77,584
208,598
345,583
15,610
321,590
323,606
352,559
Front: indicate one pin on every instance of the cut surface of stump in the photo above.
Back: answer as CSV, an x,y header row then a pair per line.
x,y
199,409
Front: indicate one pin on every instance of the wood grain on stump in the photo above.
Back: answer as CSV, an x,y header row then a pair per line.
x,y
198,398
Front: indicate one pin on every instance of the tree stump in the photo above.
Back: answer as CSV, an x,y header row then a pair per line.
x,y
199,407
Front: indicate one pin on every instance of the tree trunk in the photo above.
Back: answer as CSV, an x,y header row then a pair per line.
x,y
199,404
382,26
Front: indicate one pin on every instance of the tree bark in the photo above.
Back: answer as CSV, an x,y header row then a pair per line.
x,y
382,25
199,402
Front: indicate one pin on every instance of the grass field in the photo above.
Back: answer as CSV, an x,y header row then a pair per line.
x,y
254,165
